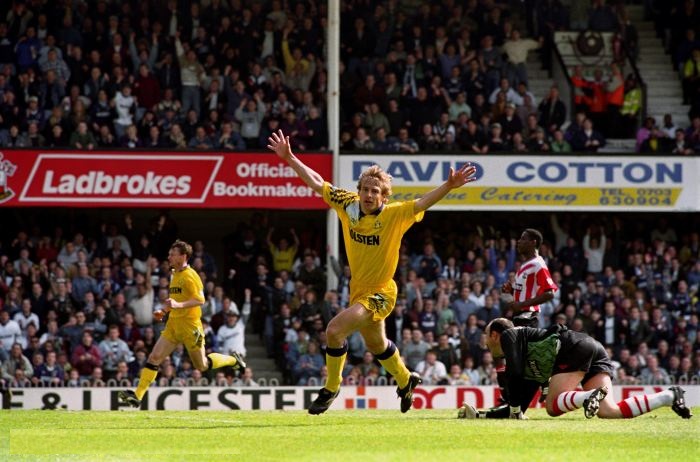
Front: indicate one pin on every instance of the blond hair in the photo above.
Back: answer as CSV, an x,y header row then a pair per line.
x,y
376,172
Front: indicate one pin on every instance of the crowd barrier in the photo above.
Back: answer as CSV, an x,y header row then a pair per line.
x,y
279,398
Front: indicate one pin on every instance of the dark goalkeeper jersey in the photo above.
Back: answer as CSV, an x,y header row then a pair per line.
x,y
531,353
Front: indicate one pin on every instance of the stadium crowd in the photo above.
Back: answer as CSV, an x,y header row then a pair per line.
x,y
78,308
415,76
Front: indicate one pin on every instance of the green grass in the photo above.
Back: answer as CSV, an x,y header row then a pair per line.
x,y
340,436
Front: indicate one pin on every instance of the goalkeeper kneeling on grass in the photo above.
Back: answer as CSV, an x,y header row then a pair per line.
x,y
567,359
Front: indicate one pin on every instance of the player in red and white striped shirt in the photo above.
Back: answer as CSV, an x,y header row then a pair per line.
x,y
533,284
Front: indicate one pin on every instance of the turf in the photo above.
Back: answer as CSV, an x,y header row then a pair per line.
x,y
339,436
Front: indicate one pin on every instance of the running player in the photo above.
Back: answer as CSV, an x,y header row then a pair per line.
x,y
372,231
184,326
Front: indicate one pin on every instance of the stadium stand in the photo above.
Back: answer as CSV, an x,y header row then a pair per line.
x,y
632,286
176,79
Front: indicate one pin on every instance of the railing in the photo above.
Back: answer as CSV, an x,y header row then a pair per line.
x,y
126,383
560,73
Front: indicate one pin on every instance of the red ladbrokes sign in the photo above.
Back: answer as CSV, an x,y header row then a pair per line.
x,y
91,179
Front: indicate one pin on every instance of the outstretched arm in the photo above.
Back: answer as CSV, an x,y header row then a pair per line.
x,y
466,174
280,144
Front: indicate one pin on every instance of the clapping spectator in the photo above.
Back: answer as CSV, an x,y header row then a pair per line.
x,y
588,139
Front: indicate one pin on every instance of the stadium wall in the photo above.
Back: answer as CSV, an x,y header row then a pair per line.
x,y
280,398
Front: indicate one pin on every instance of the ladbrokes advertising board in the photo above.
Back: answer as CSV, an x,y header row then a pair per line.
x,y
134,179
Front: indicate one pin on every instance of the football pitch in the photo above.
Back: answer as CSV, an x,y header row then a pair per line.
x,y
339,436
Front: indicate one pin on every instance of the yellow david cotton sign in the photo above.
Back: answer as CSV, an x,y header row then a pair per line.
x,y
542,183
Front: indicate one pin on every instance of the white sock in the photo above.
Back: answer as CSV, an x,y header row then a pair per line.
x,y
641,404
571,400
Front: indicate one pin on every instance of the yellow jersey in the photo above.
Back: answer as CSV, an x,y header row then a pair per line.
x,y
372,242
186,285
283,259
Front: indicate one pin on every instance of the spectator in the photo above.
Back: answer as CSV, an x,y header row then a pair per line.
x,y
588,139
405,143
10,332
432,371
653,374
691,78
201,140
16,361
125,106
655,142
415,350
594,250
680,146
146,88
49,373
231,336
113,351
250,114
191,72
82,138
631,106
559,144
516,49
86,356
309,365
552,111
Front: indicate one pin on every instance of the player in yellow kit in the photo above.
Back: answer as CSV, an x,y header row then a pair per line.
x,y
184,326
372,231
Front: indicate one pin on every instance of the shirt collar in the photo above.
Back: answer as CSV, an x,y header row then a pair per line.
x,y
375,213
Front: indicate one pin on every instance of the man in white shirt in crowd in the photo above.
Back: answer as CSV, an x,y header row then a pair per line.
x,y
231,335
431,370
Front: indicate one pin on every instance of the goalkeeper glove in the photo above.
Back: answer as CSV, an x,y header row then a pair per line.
x,y
516,413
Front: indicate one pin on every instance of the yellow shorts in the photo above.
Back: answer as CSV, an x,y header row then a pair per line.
x,y
189,332
379,300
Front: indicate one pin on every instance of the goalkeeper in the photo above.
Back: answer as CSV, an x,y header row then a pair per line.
x,y
567,359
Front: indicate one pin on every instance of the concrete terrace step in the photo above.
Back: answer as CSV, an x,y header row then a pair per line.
x,y
646,33
655,60
648,42
665,109
663,85
651,54
644,26
660,77
618,145
651,66
667,92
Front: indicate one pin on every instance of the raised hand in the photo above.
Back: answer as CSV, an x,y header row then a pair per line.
x,y
465,174
280,144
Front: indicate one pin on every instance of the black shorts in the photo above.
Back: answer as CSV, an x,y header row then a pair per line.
x,y
588,356
527,319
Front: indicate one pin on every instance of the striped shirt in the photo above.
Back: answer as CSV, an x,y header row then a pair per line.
x,y
531,280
